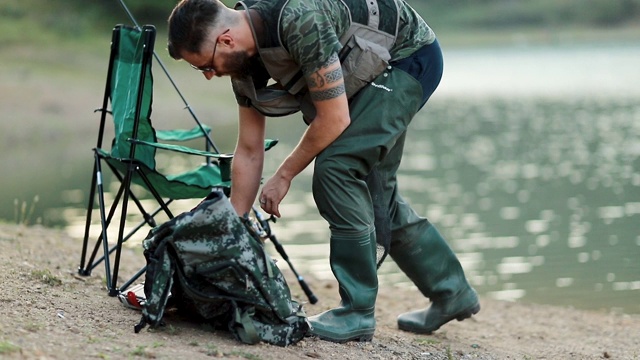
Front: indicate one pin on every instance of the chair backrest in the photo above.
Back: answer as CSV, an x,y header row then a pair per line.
x,y
131,92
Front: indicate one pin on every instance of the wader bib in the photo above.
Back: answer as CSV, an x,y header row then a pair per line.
x,y
380,114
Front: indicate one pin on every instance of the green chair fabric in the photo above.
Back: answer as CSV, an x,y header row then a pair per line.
x,y
132,156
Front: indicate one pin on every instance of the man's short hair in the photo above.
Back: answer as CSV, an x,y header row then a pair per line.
x,y
189,24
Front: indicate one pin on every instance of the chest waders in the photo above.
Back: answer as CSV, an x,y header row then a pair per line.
x,y
380,113
373,144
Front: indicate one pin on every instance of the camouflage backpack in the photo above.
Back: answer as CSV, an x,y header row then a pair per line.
x,y
215,268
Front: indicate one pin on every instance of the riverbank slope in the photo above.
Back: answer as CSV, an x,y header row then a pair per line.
x,y
48,312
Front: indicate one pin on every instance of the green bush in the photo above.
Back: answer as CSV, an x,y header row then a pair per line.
x,y
75,18
491,14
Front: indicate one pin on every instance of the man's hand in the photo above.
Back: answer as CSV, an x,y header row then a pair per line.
x,y
273,191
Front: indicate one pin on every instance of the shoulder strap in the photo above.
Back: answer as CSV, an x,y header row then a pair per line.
x,y
243,325
159,277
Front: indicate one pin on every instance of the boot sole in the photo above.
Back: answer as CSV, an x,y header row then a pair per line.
x,y
465,314
468,313
358,337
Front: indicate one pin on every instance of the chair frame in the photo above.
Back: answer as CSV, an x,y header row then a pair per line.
x,y
133,167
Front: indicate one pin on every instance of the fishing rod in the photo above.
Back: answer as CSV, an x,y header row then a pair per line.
x,y
266,228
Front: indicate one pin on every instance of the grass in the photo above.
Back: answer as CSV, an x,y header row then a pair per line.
x,y
138,351
33,327
245,355
212,350
22,215
449,353
168,329
46,277
427,341
8,348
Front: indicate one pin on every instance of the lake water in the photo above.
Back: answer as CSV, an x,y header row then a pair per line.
x,y
527,159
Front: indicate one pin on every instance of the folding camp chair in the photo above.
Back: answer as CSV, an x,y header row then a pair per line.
x,y
131,159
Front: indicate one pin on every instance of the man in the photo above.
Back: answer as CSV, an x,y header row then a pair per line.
x,y
359,70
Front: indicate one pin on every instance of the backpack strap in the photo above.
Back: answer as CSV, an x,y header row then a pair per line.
x,y
243,325
159,276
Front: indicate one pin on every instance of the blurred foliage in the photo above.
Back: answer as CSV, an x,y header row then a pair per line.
x,y
77,17
492,14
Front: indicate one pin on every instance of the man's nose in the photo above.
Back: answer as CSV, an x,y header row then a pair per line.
x,y
208,74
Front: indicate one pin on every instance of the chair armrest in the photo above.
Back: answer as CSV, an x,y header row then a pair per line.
x,y
181,149
268,144
183,135
224,160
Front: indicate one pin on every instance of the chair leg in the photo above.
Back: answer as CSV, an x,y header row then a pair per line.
x,y
103,223
92,191
126,184
87,265
106,223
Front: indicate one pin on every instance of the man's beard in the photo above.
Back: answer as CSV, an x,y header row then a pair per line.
x,y
238,65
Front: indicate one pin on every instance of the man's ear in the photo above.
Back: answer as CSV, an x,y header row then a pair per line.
x,y
227,40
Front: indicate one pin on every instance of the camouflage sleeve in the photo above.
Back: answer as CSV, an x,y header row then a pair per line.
x,y
309,35
413,33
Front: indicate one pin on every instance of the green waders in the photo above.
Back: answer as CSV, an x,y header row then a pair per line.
x,y
380,115
352,261
425,257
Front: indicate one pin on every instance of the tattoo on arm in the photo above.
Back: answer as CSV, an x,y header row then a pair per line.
x,y
316,80
326,83
333,75
327,94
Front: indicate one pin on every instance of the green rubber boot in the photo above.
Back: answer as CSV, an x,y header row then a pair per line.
x,y
433,267
353,262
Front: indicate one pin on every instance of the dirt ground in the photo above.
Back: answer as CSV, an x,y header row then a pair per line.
x,y
48,312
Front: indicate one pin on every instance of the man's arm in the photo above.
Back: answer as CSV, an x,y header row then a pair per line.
x,y
326,87
248,159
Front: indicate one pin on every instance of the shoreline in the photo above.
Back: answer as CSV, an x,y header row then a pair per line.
x,y
49,312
